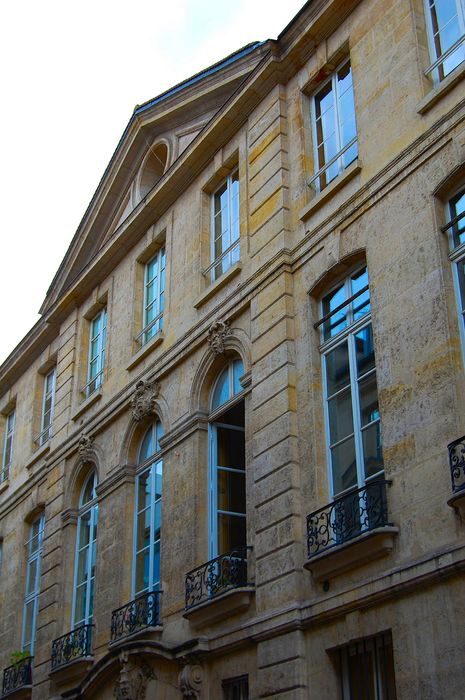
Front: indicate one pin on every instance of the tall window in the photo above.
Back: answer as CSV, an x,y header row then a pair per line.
x,y
445,21
366,669
349,376
334,127
227,463
7,446
154,296
97,339
146,570
84,577
31,598
48,400
225,226
456,231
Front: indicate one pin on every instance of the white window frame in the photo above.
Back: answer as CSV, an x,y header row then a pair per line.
x,y
7,456
46,427
457,256
226,258
213,425
347,334
438,60
32,598
90,507
315,179
151,328
94,383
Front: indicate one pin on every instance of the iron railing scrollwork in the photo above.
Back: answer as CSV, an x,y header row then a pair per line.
x,y
74,645
140,613
456,451
17,676
217,576
347,517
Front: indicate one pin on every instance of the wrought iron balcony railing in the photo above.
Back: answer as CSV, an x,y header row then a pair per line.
x,y
217,576
457,464
17,676
71,646
347,517
140,613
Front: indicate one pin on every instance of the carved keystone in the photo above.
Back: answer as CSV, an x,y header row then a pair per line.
x,y
86,448
132,680
144,398
217,334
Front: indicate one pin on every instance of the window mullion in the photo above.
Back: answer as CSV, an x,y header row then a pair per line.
x,y
152,525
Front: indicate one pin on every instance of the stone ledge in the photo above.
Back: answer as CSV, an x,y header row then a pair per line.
x,y
457,500
229,603
38,454
321,197
145,350
4,485
150,633
366,547
72,672
87,403
212,289
442,89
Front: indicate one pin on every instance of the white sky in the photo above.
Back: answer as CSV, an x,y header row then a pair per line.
x,y
72,73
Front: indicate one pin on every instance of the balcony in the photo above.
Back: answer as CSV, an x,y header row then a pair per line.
x,y
17,680
456,452
218,588
352,530
140,615
71,654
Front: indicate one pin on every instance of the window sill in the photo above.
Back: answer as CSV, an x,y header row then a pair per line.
x,y
366,547
320,198
441,89
72,672
4,485
229,603
38,454
458,501
217,284
87,403
148,633
145,350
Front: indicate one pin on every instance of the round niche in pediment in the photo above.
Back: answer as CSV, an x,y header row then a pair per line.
x,y
152,169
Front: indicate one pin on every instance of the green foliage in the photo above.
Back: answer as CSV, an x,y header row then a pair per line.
x,y
18,656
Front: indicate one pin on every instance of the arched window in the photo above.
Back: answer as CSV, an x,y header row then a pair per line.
x,y
84,577
147,530
227,503
31,598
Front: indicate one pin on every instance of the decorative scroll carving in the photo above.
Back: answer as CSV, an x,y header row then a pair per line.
x,y
143,401
86,448
190,680
217,334
132,680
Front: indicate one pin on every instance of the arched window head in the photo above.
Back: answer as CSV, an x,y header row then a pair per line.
x,y
153,168
227,385
88,492
150,444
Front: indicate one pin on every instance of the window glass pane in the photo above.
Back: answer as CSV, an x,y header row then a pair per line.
x,y
364,350
461,280
231,491
231,532
372,449
344,466
84,530
338,321
29,632
80,608
457,206
156,563
238,371
221,392
340,416
368,395
157,531
142,570
88,493
143,486
146,449
32,576
143,529
230,448
360,305
82,571
158,473
337,368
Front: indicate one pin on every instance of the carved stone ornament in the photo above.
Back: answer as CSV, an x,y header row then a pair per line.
x,y
144,398
190,680
85,448
217,334
132,680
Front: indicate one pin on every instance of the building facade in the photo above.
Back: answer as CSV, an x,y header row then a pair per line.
x,y
232,463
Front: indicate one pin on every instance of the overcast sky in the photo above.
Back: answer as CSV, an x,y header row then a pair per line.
x,y
72,73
